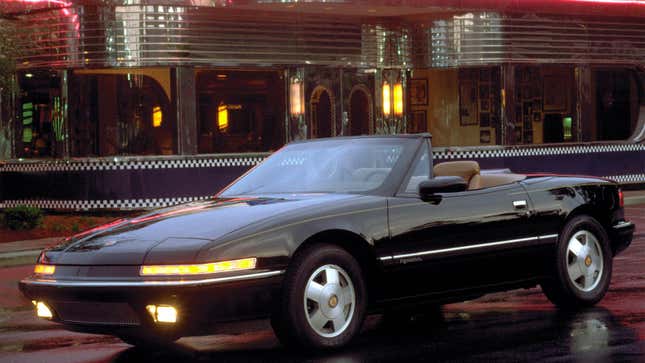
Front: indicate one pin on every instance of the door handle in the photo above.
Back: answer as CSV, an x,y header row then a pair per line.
x,y
519,204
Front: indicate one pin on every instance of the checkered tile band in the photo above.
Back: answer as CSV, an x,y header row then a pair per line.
x,y
628,179
174,162
133,164
125,204
512,151
137,204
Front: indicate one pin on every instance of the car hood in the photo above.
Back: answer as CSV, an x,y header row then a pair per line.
x,y
178,231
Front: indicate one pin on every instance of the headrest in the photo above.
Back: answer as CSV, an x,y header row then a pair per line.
x,y
465,169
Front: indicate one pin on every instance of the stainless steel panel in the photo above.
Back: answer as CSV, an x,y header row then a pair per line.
x,y
151,35
489,38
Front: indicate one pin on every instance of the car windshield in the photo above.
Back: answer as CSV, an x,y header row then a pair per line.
x,y
326,166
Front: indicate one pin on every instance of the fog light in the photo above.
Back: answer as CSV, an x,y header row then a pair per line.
x,y
43,311
162,313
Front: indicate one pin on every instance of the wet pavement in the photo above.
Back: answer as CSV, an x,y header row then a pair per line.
x,y
519,325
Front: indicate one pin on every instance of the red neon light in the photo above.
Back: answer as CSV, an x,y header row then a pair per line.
x,y
57,2
621,2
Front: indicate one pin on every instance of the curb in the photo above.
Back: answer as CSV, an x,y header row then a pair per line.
x,y
19,258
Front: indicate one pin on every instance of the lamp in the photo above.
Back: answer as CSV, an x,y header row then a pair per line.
x,y
222,117
398,100
387,103
296,97
156,116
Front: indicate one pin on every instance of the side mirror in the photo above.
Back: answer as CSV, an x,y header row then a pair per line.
x,y
441,184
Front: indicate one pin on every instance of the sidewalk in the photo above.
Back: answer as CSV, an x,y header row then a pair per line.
x,y
634,197
25,252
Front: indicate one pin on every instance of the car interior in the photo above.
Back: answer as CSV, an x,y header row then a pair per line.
x,y
469,170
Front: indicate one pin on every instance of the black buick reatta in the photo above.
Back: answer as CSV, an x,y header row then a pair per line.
x,y
325,231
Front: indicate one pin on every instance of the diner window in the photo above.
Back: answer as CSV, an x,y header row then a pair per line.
x,y
460,107
240,111
40,126
122,112
545,104
616,103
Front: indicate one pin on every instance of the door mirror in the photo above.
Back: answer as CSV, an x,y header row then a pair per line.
x,y
441,184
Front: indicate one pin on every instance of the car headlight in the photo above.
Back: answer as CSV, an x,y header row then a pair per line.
x,y
199,269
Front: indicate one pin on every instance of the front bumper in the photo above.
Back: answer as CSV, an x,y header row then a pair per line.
x,y
110,306
621,235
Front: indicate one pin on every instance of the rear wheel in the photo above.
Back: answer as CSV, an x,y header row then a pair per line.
x,y
323,299
583,265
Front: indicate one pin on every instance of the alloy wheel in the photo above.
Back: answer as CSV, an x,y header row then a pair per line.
x,y
584,261
329,301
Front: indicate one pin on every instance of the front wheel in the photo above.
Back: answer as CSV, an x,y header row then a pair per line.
x,y
583,265
323,299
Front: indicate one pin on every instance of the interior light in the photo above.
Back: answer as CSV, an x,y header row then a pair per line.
x,y
296,100
199,269
398,99
44,269
566,128
156,116
387,109
43,311
222,117
29,75
162,313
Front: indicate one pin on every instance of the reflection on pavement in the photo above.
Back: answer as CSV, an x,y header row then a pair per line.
x,y
593,334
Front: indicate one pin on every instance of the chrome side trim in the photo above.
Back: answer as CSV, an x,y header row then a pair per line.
x,y
216,280
470,247
622,224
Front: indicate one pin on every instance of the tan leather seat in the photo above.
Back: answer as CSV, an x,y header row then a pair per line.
x,y
467,169
493,180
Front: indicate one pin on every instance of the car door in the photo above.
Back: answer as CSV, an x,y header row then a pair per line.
x,y
466,240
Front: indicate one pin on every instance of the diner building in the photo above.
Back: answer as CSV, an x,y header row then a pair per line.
x,y
130,104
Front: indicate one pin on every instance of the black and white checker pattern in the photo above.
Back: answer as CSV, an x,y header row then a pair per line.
x,y
130,163
515,151
628,179
215,161
84,205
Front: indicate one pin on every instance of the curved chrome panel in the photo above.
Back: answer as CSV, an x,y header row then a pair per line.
x,y
488,38
94,35
129,36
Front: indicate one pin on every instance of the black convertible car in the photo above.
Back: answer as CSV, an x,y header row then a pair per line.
x,y
325,231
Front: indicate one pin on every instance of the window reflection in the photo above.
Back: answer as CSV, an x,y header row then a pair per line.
x,y
41,132
122,112
240,111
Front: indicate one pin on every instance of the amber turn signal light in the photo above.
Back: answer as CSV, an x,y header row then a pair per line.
x,y
199,269
44,269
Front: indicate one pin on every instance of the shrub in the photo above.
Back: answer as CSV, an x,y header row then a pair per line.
x,y
23,217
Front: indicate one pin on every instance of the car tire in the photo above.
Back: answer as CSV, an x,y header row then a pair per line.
x,y
583,265
323,299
